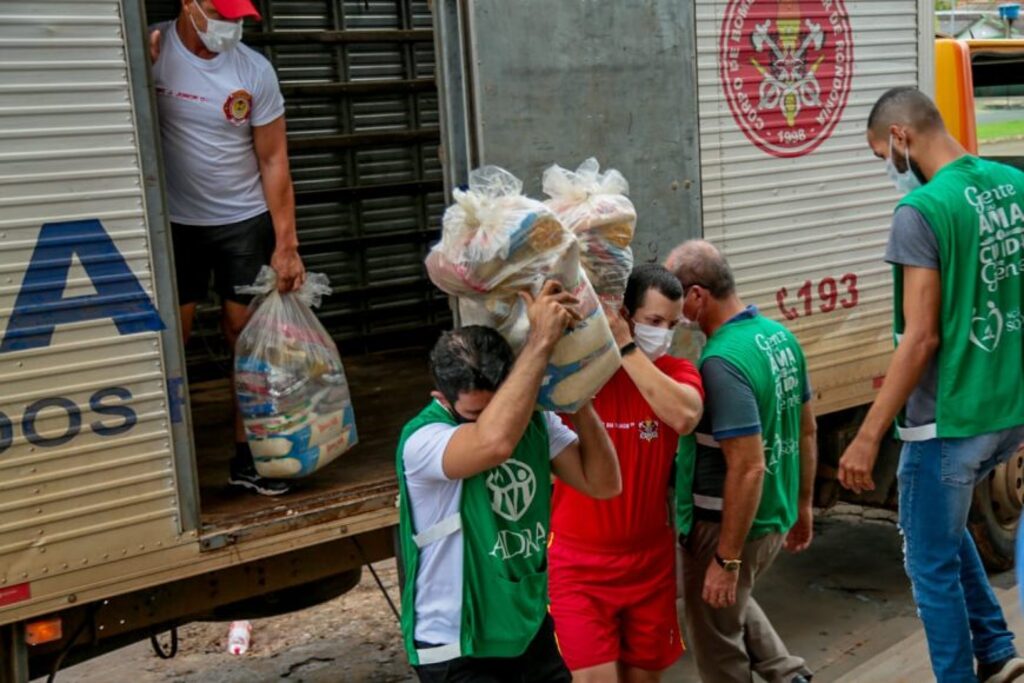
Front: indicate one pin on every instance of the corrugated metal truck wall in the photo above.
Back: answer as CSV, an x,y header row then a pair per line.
x,y
792,193
86,464
361,106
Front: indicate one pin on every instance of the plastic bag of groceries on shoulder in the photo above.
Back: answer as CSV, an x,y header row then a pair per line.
x,y
496,242
290,382
594,207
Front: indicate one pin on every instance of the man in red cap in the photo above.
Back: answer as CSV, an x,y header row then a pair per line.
x,y
229,188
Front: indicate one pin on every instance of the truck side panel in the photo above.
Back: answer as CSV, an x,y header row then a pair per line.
x,y
792,194
87,440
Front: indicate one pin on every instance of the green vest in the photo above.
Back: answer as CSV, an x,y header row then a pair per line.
x,y
976,210
771,360
504,515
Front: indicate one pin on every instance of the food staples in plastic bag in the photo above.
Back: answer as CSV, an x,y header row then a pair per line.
x,y
497,243
594,206
290,382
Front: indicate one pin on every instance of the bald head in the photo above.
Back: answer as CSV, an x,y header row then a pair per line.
x,y
698,262
906,107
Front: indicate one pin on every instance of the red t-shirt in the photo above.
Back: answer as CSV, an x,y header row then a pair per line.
x,y
646,447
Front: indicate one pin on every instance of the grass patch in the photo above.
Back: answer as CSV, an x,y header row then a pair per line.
x,y
988,132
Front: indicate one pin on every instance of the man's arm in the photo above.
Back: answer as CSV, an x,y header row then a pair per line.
x,y
799,537
922,296
590,465
490,441
741,495
677,405
744,479
271,145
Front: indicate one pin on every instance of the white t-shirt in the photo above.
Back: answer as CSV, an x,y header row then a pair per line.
x,y
433,497
207,109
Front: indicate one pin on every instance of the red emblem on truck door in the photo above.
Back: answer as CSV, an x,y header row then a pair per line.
x,y
786,68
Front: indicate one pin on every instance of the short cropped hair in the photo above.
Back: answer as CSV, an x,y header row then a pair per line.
x,y
646,277
471,358
905,105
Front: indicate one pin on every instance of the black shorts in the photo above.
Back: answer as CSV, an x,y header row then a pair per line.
x,y
541,663
234,253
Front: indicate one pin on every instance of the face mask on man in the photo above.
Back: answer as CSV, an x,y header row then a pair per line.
x,y
220,35
653,341
905,182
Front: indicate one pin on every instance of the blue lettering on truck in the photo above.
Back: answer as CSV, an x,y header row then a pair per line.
x,y
41,305
110,405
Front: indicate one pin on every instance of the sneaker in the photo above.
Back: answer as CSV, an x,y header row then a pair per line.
x,y
243,474
1003,671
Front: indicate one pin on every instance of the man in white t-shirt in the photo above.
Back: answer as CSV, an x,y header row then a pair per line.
x,y
475,472
229,187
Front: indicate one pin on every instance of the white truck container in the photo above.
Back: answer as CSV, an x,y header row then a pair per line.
x,y
115,520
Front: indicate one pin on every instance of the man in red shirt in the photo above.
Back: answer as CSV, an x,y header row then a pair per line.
x,y
612,578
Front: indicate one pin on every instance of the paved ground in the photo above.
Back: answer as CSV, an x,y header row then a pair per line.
x,y
838,605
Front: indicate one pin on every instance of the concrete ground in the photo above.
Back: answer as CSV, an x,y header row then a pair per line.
x,y
839,605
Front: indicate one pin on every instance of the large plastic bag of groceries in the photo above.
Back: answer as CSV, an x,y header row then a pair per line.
x,y
594,206
290,382
497,243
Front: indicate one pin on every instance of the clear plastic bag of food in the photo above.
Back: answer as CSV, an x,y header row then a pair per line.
x,y
290,382
497,243
594,207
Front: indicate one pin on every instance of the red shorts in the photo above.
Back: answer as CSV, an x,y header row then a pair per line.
x,y
612,607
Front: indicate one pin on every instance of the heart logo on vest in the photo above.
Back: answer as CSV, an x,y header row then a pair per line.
x,y
513,486
987,330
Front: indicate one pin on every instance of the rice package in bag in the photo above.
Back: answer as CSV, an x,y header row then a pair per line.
x,y
290,382
594,207
496,243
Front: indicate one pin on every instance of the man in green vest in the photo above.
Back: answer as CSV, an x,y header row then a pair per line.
x,y
955,246
745,482
474,471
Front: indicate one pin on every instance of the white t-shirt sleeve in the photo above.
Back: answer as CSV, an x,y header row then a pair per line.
x,y
560,437
424,453
267,100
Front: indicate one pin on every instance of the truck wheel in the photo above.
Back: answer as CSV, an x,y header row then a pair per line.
x,y
995,513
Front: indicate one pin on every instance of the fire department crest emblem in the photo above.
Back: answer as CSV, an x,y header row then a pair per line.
x,y
648,430
786,68
238,107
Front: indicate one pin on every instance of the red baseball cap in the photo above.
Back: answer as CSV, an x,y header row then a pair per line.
x,y
236,9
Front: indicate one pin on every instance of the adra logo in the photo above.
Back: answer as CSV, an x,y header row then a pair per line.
x,y
512,486
41,305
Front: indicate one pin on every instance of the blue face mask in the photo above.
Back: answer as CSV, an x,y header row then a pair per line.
x,y
905,182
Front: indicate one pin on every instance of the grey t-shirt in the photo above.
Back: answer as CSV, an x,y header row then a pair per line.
x,y
912,242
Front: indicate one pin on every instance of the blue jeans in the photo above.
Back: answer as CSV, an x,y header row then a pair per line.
x,y
962,619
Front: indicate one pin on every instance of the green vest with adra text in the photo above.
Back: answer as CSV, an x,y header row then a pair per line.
x,y
505,515
976,210
771,360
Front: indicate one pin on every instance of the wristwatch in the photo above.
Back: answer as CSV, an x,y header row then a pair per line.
x,y
728,565
627,349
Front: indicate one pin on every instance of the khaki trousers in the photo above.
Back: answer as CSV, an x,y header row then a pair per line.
x,y
731,644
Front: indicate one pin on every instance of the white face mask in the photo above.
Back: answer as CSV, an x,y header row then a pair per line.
x,y
653,341
220,35
905,182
